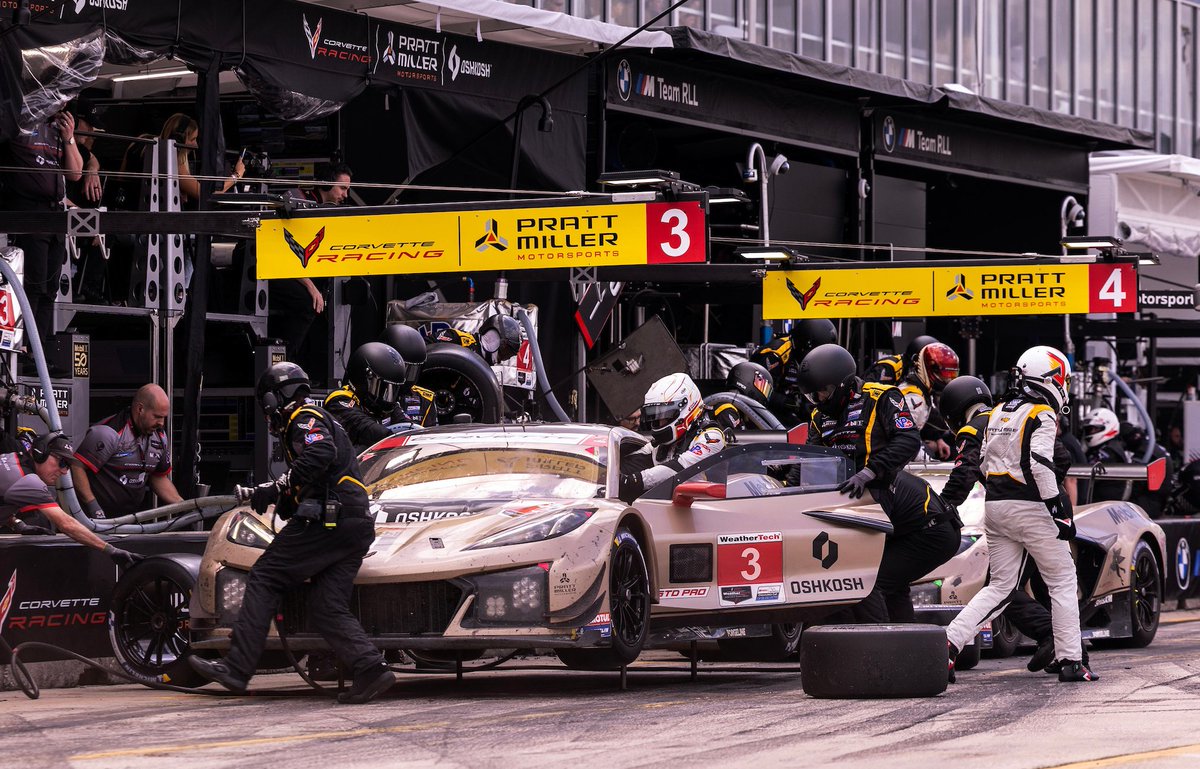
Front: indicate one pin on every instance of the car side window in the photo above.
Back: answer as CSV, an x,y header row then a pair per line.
x,y
761,470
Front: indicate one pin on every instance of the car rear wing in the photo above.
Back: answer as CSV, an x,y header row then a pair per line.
x,y
1154,474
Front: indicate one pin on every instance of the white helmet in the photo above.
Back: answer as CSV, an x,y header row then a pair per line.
x,y
1101,426
670,407
1045,374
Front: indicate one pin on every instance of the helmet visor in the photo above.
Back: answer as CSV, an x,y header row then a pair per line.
x,y
762,384
822,394
381,390
412,372
657,416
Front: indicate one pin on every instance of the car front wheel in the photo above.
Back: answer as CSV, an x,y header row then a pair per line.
x,y
148,622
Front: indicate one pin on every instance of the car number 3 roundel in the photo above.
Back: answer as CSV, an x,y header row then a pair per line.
x,y
674,233
750,567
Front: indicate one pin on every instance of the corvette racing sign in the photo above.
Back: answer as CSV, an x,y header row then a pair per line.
x,y
469,241
884,291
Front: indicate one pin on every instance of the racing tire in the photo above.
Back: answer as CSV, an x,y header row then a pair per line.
x,y
1005,639
873,661
148,622
629,610
462,383
969,656
1145,598
781,644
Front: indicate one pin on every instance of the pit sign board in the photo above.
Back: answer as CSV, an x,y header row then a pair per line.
x,y
576,235
886,291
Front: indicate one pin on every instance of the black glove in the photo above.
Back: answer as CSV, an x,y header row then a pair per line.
x,y
1063,519
263,496
856,485
93,510
21,527
122,557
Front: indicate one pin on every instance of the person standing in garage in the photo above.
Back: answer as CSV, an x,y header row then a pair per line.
x,y
1025,510
328,532
870,423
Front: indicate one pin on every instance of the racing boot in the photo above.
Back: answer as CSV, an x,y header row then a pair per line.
x,y
215,670
368,686
952,653
1056,666
1042,656
1071,671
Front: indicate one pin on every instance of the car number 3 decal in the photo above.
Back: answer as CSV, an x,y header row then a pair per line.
x,y
750,558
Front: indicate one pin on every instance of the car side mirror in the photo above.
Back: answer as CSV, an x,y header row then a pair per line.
x,y
686,493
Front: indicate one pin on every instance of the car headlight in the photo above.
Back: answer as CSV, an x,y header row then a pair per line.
x,y
927,594
547,527
249,531
511,597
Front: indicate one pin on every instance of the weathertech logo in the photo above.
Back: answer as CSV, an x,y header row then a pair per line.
x,y
960,289
806,297
491,238
304,253
314,37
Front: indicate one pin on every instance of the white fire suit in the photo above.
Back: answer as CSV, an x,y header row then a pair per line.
x,y
699,443
1019,475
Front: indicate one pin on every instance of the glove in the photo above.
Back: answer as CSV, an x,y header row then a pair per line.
x,y
263,496
93,510
243,493
1062,517
21,527
122,557
856,485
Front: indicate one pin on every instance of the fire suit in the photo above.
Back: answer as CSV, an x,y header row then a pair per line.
x,y
876,431
889,370
1021,486
657,464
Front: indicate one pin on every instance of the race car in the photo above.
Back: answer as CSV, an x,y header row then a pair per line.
x,y
1119,555
512,536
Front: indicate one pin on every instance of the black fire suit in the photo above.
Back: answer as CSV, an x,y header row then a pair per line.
x,y
889,370
327,534
877,432
365,430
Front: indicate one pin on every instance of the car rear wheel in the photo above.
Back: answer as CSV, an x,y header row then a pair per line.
x,y
1145,597
1005,639
781,644
148,622
462,383
629,610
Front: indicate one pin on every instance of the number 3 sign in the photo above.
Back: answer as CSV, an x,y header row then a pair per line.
x,y
675,233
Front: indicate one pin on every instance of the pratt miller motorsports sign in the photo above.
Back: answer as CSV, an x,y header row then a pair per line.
x,y
572,235
908,292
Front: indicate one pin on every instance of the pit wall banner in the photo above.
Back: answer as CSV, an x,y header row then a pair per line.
x,y
884,291
473,241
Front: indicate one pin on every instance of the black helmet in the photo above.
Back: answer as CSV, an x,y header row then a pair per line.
x,y
281,389
751,380
376,372
960,394
807,334
827,377
407,341
914,348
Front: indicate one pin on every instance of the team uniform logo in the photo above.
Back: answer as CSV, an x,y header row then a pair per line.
x,y
904,423
304,253
803,298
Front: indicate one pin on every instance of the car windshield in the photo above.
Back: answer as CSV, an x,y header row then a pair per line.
x,y
444,472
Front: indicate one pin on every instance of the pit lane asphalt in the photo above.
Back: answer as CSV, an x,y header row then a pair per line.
x,y
1143,713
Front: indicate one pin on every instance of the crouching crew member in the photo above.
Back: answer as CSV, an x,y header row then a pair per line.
x,y
371,392
328,532
417,402
870,424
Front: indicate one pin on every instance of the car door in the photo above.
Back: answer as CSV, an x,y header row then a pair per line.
x,y
728,534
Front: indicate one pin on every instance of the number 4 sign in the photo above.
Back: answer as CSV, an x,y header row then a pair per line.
x,y
1112,288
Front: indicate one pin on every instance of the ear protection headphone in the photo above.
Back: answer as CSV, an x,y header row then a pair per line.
x,y
40,450
270,403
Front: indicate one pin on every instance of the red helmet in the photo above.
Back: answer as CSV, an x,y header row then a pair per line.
x,y
937,364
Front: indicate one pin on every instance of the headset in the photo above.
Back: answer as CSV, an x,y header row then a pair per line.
x,y
40,450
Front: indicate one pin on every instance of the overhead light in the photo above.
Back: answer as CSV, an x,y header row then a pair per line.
x,y
638,178
722,195
1092,241
1147,259
155,75
1075,259
778,254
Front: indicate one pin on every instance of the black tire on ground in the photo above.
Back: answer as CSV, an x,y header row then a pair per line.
x,y
1005,639
873,661
462,383
148,622
969,657
781,644
1145,597
629,610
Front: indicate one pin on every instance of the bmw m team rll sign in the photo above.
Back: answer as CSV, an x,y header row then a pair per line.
x,y
472,241
906,292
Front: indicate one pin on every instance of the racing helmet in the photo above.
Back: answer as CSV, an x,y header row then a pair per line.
x,y
1043,373
809,333
827,378
280,390
773,355
937,364
751,380
377,374
1100,426
915,347
960,395
407,341
670,407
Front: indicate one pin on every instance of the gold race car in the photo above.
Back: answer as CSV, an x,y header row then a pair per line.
x,y
512,536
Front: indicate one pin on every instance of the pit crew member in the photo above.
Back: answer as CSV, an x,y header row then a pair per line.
x,y
1102,439
1025,510
328,531
747,379
417,402
893,368
781,358
936,365
870,424
370,393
